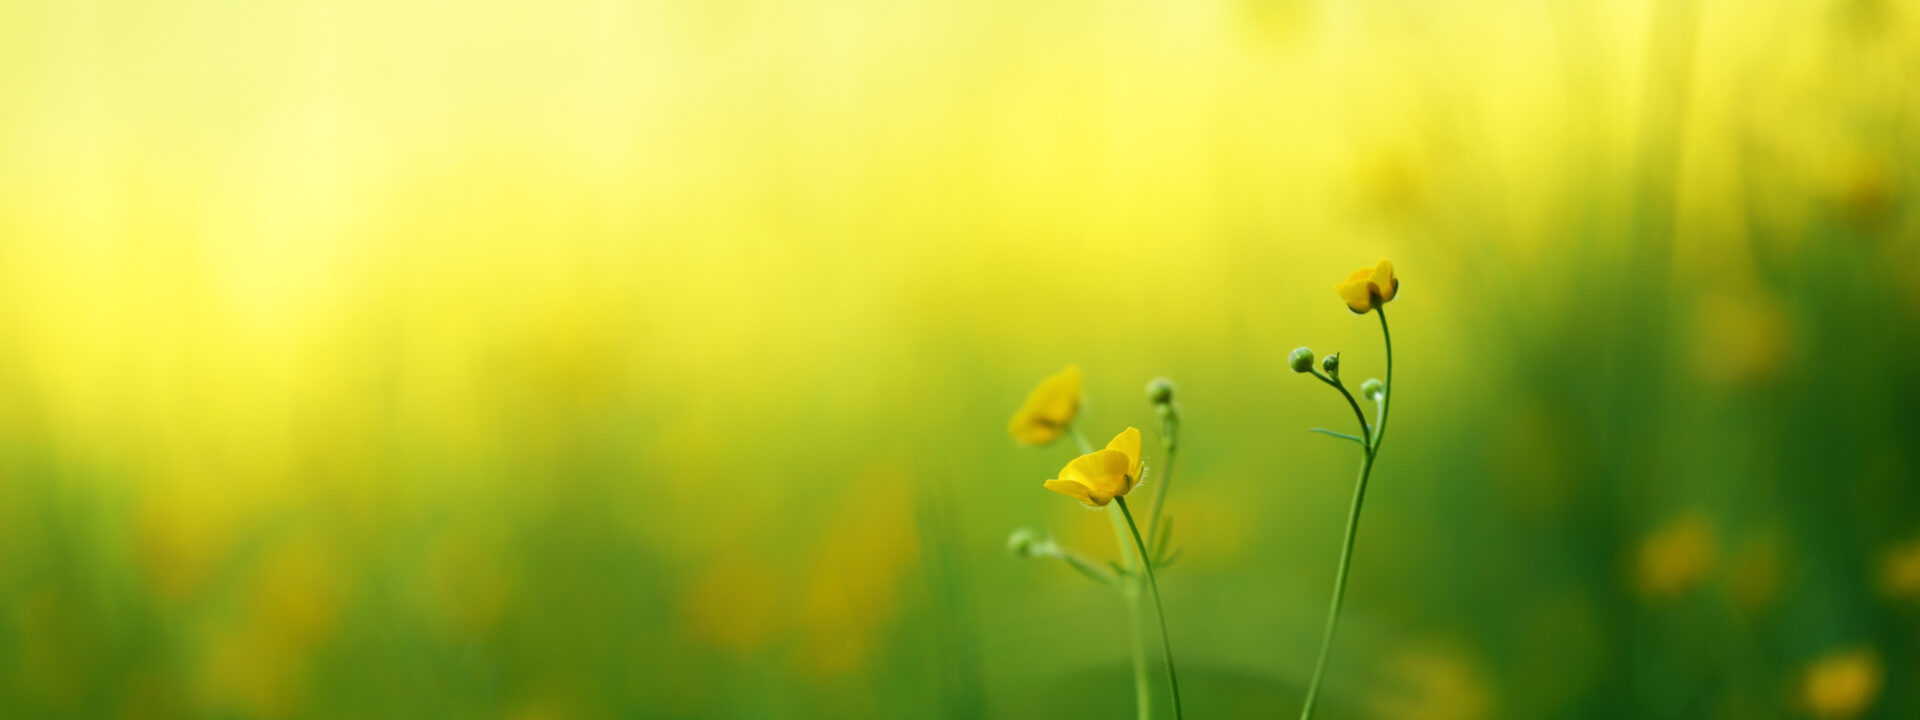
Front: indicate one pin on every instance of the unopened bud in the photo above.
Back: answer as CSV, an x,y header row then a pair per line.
x,y
1373,389
1160,391
1025,542
1301,360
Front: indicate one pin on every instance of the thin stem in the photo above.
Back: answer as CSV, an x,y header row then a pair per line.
x,y
1142,690
1160,496
1380,431
1166,645
1137,643
1365,430
1339,586
1371,450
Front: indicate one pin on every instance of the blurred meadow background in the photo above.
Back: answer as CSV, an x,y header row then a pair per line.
x,y
591,359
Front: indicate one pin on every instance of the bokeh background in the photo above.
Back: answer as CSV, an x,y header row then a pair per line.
x,y
586,359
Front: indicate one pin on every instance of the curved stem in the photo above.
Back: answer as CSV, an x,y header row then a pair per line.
x,y
1339,586
1371,451
1365,430
1380,429
1173,678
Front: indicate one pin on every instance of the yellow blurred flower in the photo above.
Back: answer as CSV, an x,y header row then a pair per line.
x,y
1098,477
1049,409
1676,557
1900,571
1369,288
1432,683
1740,337
1843,684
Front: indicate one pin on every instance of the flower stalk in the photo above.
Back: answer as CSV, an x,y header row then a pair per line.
x,y
1129,591
1166,645
1370,438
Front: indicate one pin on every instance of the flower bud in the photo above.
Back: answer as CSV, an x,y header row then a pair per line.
x,y
1373,389
1331,364
1301,360
1160,391
1025,542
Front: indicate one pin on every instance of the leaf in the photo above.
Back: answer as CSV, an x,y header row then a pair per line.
x,y
1171,558
1087,569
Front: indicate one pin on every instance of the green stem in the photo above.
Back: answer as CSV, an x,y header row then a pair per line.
x,y
1371,451
1365,431
1339,586
1142,689
1166,645
1386,399
1160,496
1137,643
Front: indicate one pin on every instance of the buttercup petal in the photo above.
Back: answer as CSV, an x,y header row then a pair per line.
x,y
1104,472
1028,429
1128,442
1383,275
1368,288
1355,295
1074,490
1049,409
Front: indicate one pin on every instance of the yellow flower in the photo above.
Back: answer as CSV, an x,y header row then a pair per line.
x,y
1900,571
1098,477
1368,288
1842,685
1677,557
1049,409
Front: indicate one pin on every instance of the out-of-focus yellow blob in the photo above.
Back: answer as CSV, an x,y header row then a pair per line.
x,y
1675,558
1433,683
1900,571
1843,684
1098,477
1049,409
1739,338
851,591
1368,288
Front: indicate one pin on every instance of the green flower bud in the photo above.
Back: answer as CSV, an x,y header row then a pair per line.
x,y
1301,360
1160,391
1025,542
1373,389
1331,364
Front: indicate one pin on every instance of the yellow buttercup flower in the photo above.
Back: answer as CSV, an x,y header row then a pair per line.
x,y
1369,288
1049,409
1098,477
